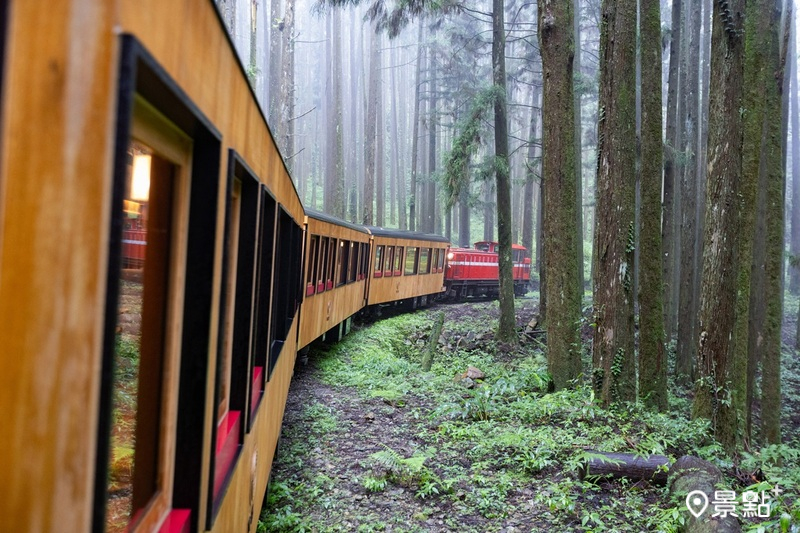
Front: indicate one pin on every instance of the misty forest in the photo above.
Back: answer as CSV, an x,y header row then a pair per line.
x,y
646,154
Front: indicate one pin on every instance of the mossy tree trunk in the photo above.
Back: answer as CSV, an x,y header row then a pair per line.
x,y
577,131
560,218
756,75
506,329
668,226
652,358
718,289
773,266
614,373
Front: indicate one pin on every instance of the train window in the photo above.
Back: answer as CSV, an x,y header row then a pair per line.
x,y
332,262
442,255
311,263
236,324
155,393
379,261
266,252
365,259
343,260
424,261
389,262
354,262
288,248
323,264
435,260
412,258
398,260
147,356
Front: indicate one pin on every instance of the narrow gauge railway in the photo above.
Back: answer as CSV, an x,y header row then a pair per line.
x,y
145,210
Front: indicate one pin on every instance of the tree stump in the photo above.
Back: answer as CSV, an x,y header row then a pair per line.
x,y
433,342
689,474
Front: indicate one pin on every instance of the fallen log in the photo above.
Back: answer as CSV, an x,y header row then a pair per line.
x,y
690,474
652,468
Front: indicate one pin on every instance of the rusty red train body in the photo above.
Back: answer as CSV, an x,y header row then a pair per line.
x,y
475,271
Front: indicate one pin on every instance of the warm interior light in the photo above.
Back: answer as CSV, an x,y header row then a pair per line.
x,y
140,183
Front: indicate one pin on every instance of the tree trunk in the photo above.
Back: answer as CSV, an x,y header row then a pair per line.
x,y
668,227
578,131
412,208
773,267
720,255
757,42
329,179
541,254
399,179
380,167
463,217
652,358
794,249
339,190
274,67
635,467
506,329
687,301
370,121
287,84
430,185
488,212
558,174
614,374
530,174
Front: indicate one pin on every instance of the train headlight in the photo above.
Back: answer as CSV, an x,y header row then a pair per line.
x,y
450,256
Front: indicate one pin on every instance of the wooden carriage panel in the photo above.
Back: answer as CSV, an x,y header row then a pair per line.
x,y
56,157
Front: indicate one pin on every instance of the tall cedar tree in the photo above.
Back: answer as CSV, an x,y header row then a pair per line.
x,y
614,374
773,266
560,219
652,359
756,77
720,255
794,280
506,329
671,143
287,86
576,116
370,122
687,213
412,202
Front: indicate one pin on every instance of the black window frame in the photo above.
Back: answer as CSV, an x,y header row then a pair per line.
x,y
140,74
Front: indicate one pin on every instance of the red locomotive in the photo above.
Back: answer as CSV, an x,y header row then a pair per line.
x,y
474,271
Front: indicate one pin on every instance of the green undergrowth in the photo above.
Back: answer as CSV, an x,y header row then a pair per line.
x,y
502,453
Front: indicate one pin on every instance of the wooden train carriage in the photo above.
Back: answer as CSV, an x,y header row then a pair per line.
x,y
337,256
123,116
406,266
